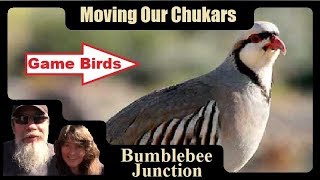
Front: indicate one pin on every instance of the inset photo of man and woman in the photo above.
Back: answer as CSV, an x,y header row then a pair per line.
x,y
43,144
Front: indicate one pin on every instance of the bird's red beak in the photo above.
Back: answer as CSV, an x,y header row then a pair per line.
x,y
276,43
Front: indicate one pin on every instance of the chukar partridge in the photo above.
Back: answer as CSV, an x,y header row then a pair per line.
x,y
228,106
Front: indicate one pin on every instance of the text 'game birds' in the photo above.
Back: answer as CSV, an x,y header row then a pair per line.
x,y
85,63
92,63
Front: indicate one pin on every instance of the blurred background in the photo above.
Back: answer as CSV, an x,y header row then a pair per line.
x,y
167,58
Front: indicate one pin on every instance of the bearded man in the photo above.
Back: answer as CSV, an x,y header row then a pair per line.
x,y
29,153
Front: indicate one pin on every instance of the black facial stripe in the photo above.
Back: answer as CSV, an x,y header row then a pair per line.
x,y
265,35
262,35
245,69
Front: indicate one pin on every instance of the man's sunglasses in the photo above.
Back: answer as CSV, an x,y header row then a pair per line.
x,y
24,119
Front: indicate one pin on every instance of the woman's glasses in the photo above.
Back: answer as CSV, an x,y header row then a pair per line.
x,y
24,119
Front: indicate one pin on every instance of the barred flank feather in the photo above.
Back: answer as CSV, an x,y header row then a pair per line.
x,y
199,128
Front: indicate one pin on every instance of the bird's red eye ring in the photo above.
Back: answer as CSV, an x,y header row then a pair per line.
x,y
254,38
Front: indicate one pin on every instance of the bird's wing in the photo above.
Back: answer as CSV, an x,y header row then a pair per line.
x,y
148,112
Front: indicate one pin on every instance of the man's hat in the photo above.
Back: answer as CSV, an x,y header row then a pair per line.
x,y
42,108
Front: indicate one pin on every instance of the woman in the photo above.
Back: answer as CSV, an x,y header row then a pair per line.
x,y
76,152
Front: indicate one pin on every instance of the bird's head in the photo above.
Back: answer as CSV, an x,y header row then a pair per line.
x,y
259,46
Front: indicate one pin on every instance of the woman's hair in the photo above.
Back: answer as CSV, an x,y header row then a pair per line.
x,y
81,135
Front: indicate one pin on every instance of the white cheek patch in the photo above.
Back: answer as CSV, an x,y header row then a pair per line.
x,y
248,55
255,57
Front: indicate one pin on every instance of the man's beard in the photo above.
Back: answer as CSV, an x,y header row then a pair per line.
x,y
30,156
